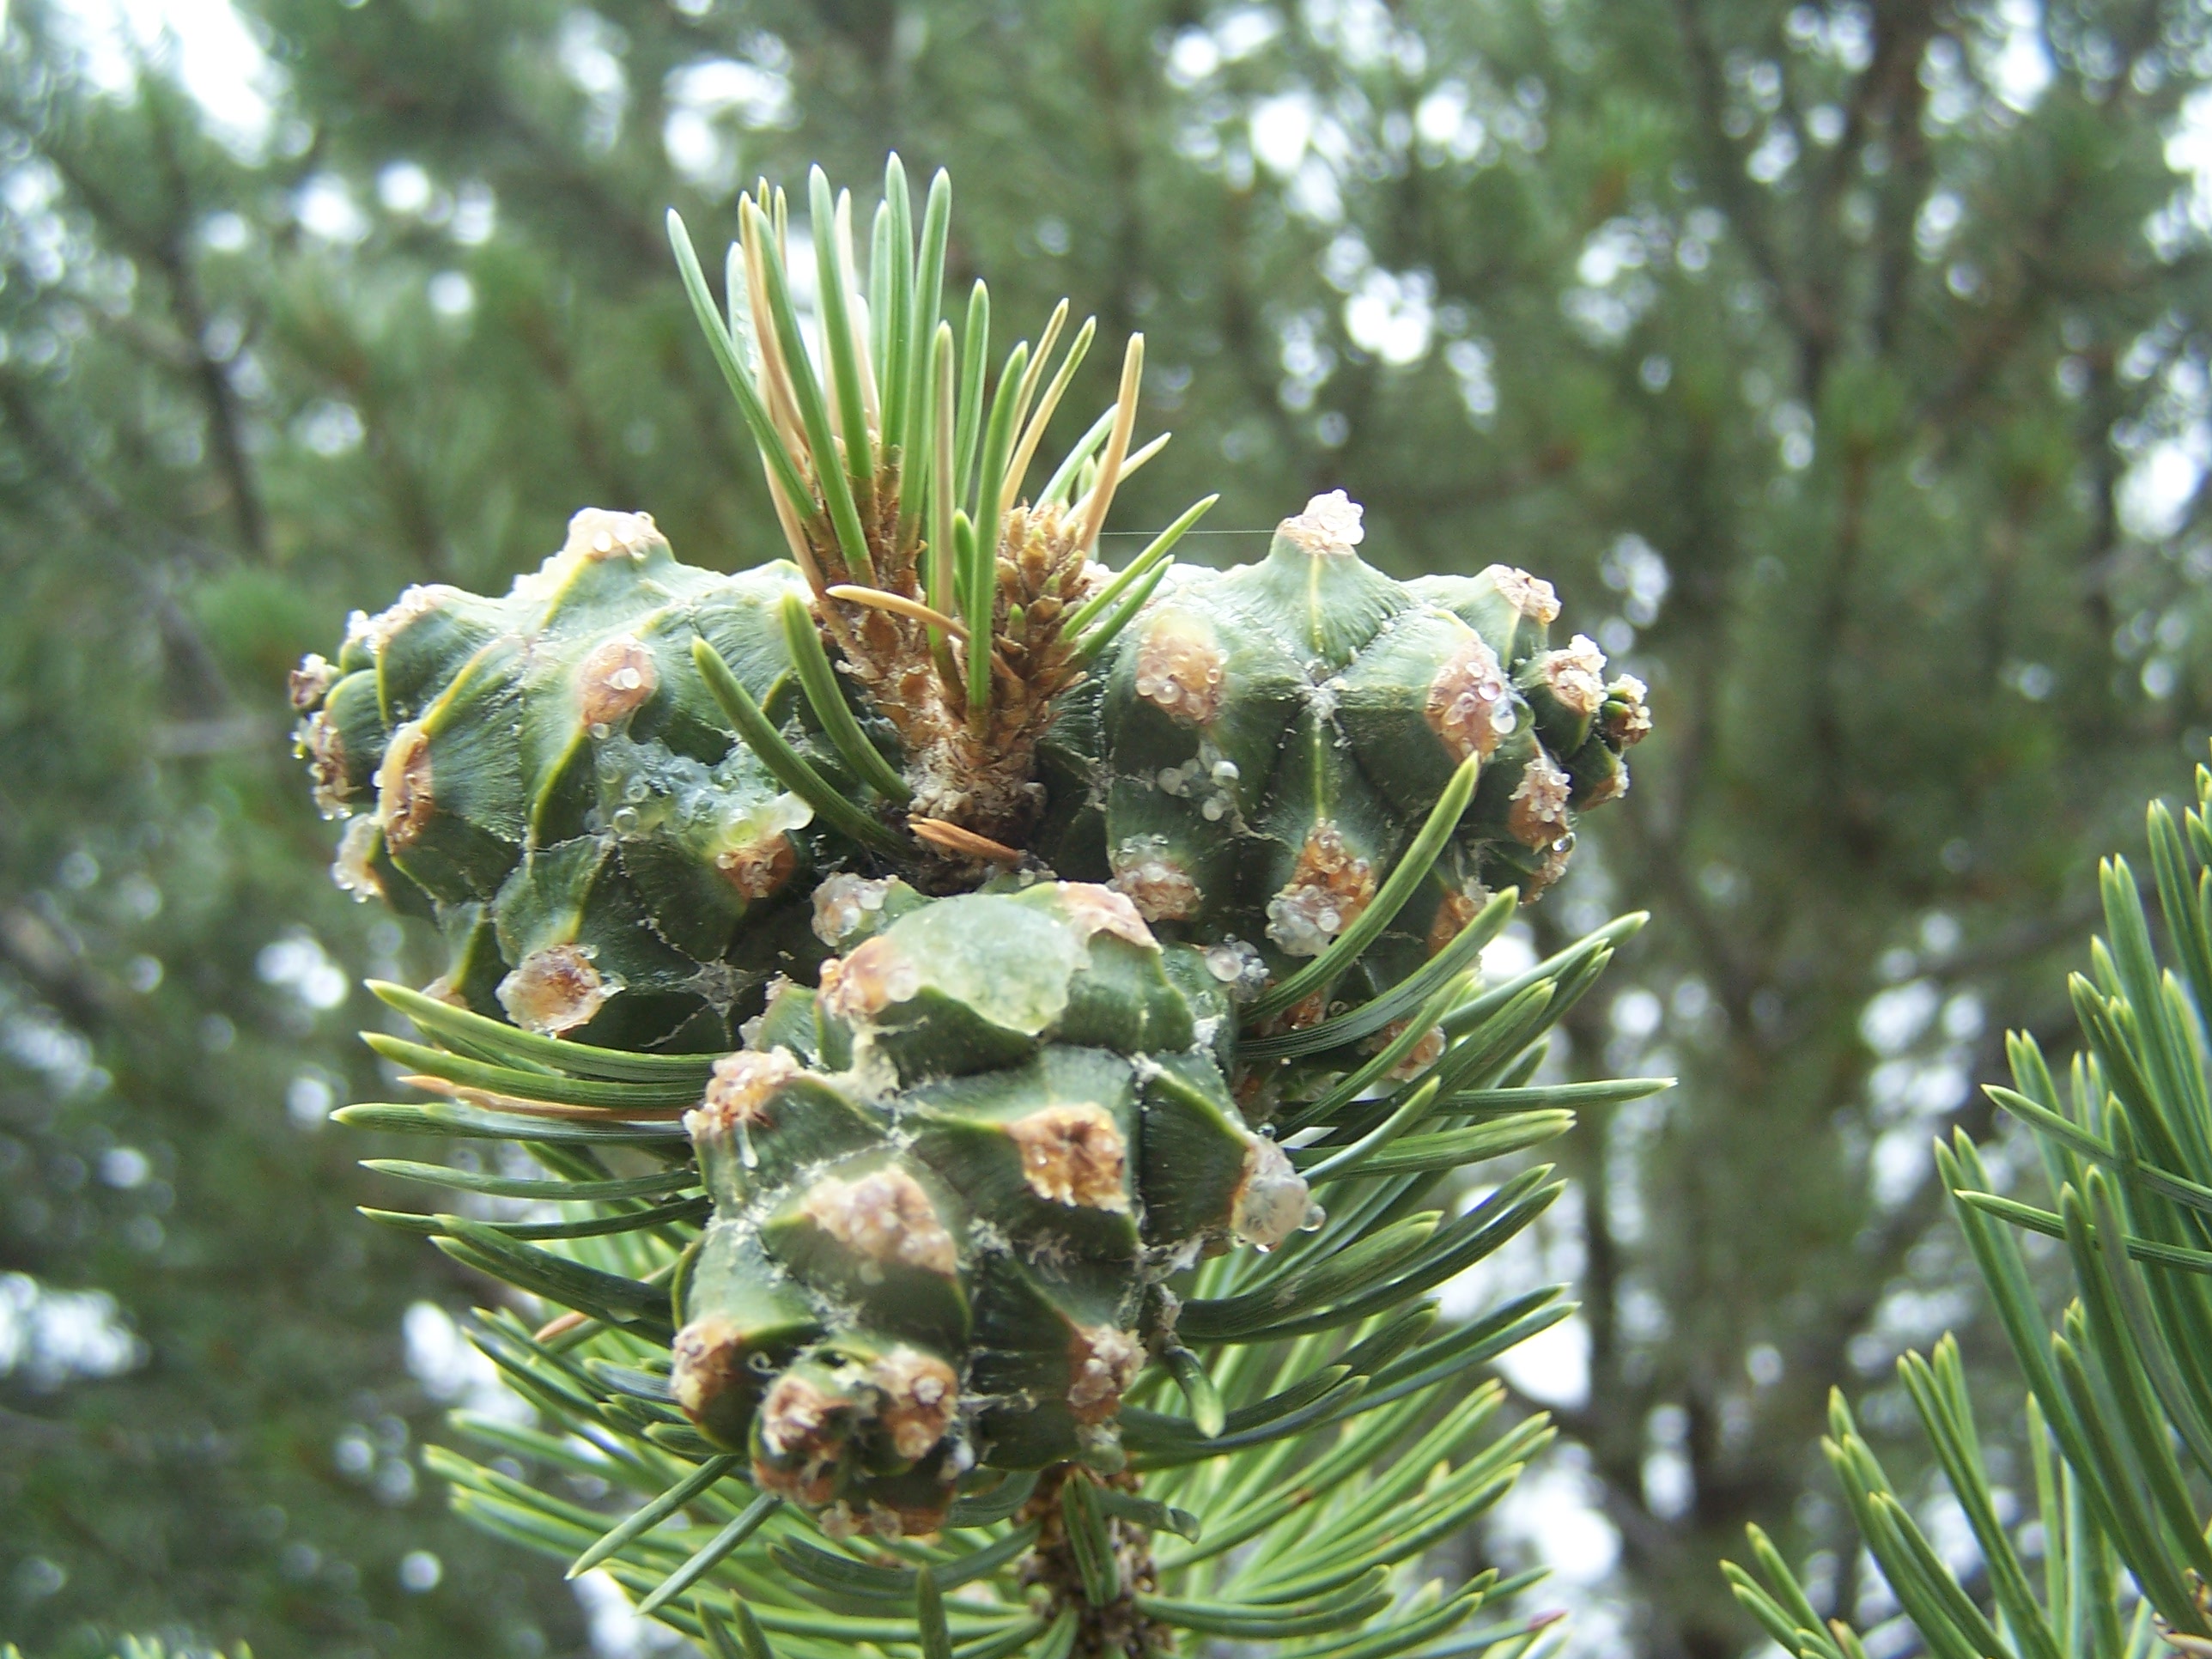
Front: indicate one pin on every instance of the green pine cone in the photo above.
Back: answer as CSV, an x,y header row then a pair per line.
x,y
947,1188
924,1221
550,776
1267,739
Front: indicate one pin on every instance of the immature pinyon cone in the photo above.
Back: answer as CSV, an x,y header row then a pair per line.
x,y
1000,866
943,1189
548,775
1269,737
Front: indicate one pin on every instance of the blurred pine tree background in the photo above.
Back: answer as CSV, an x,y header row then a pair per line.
x,y
1846,363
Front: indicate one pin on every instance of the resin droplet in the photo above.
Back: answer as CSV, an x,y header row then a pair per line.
x,y
1536,812
614,681
1155,883
1272,1201
555,990
1329,526
1329,888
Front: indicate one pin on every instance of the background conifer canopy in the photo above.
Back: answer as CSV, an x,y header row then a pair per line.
x,y
1843,365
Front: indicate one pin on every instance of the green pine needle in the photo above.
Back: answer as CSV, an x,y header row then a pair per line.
x,y
830,475
525,1186
516,1047
736,372
713,1552
892,304
943,582
749,1633
647,1515
1198,1390
628,1097
1088,646
597,1226
1089,1542
1033,430
1063,479
929,1617
789,767
975,350
1399,1001
818,680
833,263
2118,1389
1156,552
1412,869
919,435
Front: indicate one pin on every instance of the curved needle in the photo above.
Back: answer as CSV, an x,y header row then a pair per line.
x,y
952,838
915,610
898,604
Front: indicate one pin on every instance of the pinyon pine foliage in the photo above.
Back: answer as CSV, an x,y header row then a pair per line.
x,y
986,1044
2120,1407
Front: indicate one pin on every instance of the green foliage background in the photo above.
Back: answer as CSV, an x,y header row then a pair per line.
x,y
1822,354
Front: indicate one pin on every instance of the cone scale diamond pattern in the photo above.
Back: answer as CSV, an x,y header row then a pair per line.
x,y
947,1250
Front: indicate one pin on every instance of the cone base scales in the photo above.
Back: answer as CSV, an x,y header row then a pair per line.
x,y
983,1026
948,1250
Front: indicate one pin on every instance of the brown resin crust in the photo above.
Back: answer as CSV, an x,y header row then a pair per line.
x,y
1180,668
326,763
920,1395
709,1361
872,978
1536,812
805,1429
1531,596
884,1217
405,799
1073,1155
1470,701
1329,886
554,990
1102,1362
1422,1056
311,682
1575,675
1094,909
738,1090
1458,907
1625,719
759,869
1154,881
617,677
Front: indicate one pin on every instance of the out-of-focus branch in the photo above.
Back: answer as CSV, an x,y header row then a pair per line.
x,y
171,251
1811,323
165,246
72,489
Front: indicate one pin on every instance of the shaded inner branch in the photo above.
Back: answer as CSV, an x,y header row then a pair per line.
x,y
1119,1629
